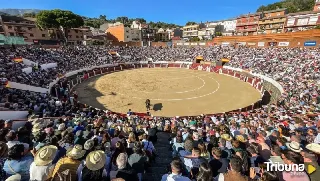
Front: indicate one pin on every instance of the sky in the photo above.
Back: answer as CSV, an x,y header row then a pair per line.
x,y
169,11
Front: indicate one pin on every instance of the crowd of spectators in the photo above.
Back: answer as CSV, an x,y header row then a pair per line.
x,y
84,143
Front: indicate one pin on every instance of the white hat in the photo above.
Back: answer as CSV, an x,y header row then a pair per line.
x,y
294,146
76,152
62,127
95,160
314,147
45,155
15,177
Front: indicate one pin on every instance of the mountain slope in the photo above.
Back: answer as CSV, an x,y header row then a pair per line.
x,y
19,12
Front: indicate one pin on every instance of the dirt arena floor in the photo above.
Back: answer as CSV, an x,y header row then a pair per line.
x,y
173,92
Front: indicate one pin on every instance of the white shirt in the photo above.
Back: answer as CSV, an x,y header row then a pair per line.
x,y
174,177
40,172
317,139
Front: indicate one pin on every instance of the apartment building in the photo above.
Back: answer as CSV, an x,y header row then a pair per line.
x,y
302,21
272,21
148,34
247,24
26,28
190,31
120,33
163,35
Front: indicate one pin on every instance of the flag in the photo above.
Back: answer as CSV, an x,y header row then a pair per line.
x,y
18,59
7,84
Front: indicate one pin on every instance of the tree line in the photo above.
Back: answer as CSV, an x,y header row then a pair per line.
x,y
292,6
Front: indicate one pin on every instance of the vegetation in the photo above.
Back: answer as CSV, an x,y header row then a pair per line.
x,y
163,25
29,15
190,23
59,19
97,22
292,6
218,30
194,39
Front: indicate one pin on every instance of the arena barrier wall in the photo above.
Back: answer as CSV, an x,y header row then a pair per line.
x,y
10,115
20,86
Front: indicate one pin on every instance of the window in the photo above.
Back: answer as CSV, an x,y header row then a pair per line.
x,y
9,27
76,31
43,35
68,31
31,35
127,36
11,34
278,14
77,36
29,29
69,36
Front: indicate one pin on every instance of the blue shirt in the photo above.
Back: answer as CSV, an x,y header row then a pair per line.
x,y
21,167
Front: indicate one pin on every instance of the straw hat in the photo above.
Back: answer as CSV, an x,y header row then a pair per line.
x,y
45,155
314,147
95,160
76,152
241,138
226,137
294,146
36,128
15,177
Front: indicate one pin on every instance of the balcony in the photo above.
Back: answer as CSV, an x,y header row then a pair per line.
x,y
247,30
247,23
271,21
274,27
19,30
189,30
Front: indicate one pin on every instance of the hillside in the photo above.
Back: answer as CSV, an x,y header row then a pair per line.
x,y
19,12
292,6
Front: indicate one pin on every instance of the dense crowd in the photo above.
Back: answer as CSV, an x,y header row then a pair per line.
x,y
84,143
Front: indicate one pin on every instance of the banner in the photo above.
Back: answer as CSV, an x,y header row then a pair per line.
x,y
310,43
251,44
18,59
283,44
194,43
225,43
202,44
242,43
186,43
179,43
260,44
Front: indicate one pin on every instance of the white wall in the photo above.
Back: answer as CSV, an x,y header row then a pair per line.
x,y
11,115
16,85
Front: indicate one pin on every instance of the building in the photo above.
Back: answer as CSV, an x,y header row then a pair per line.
x,y
272,21
229,27
120,33
302,21
163,35
190,31
247,24
177,32
148,34
26,28
204,34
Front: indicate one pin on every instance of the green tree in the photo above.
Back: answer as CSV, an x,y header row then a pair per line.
x,y
59,19
29,15
292,6
190,23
